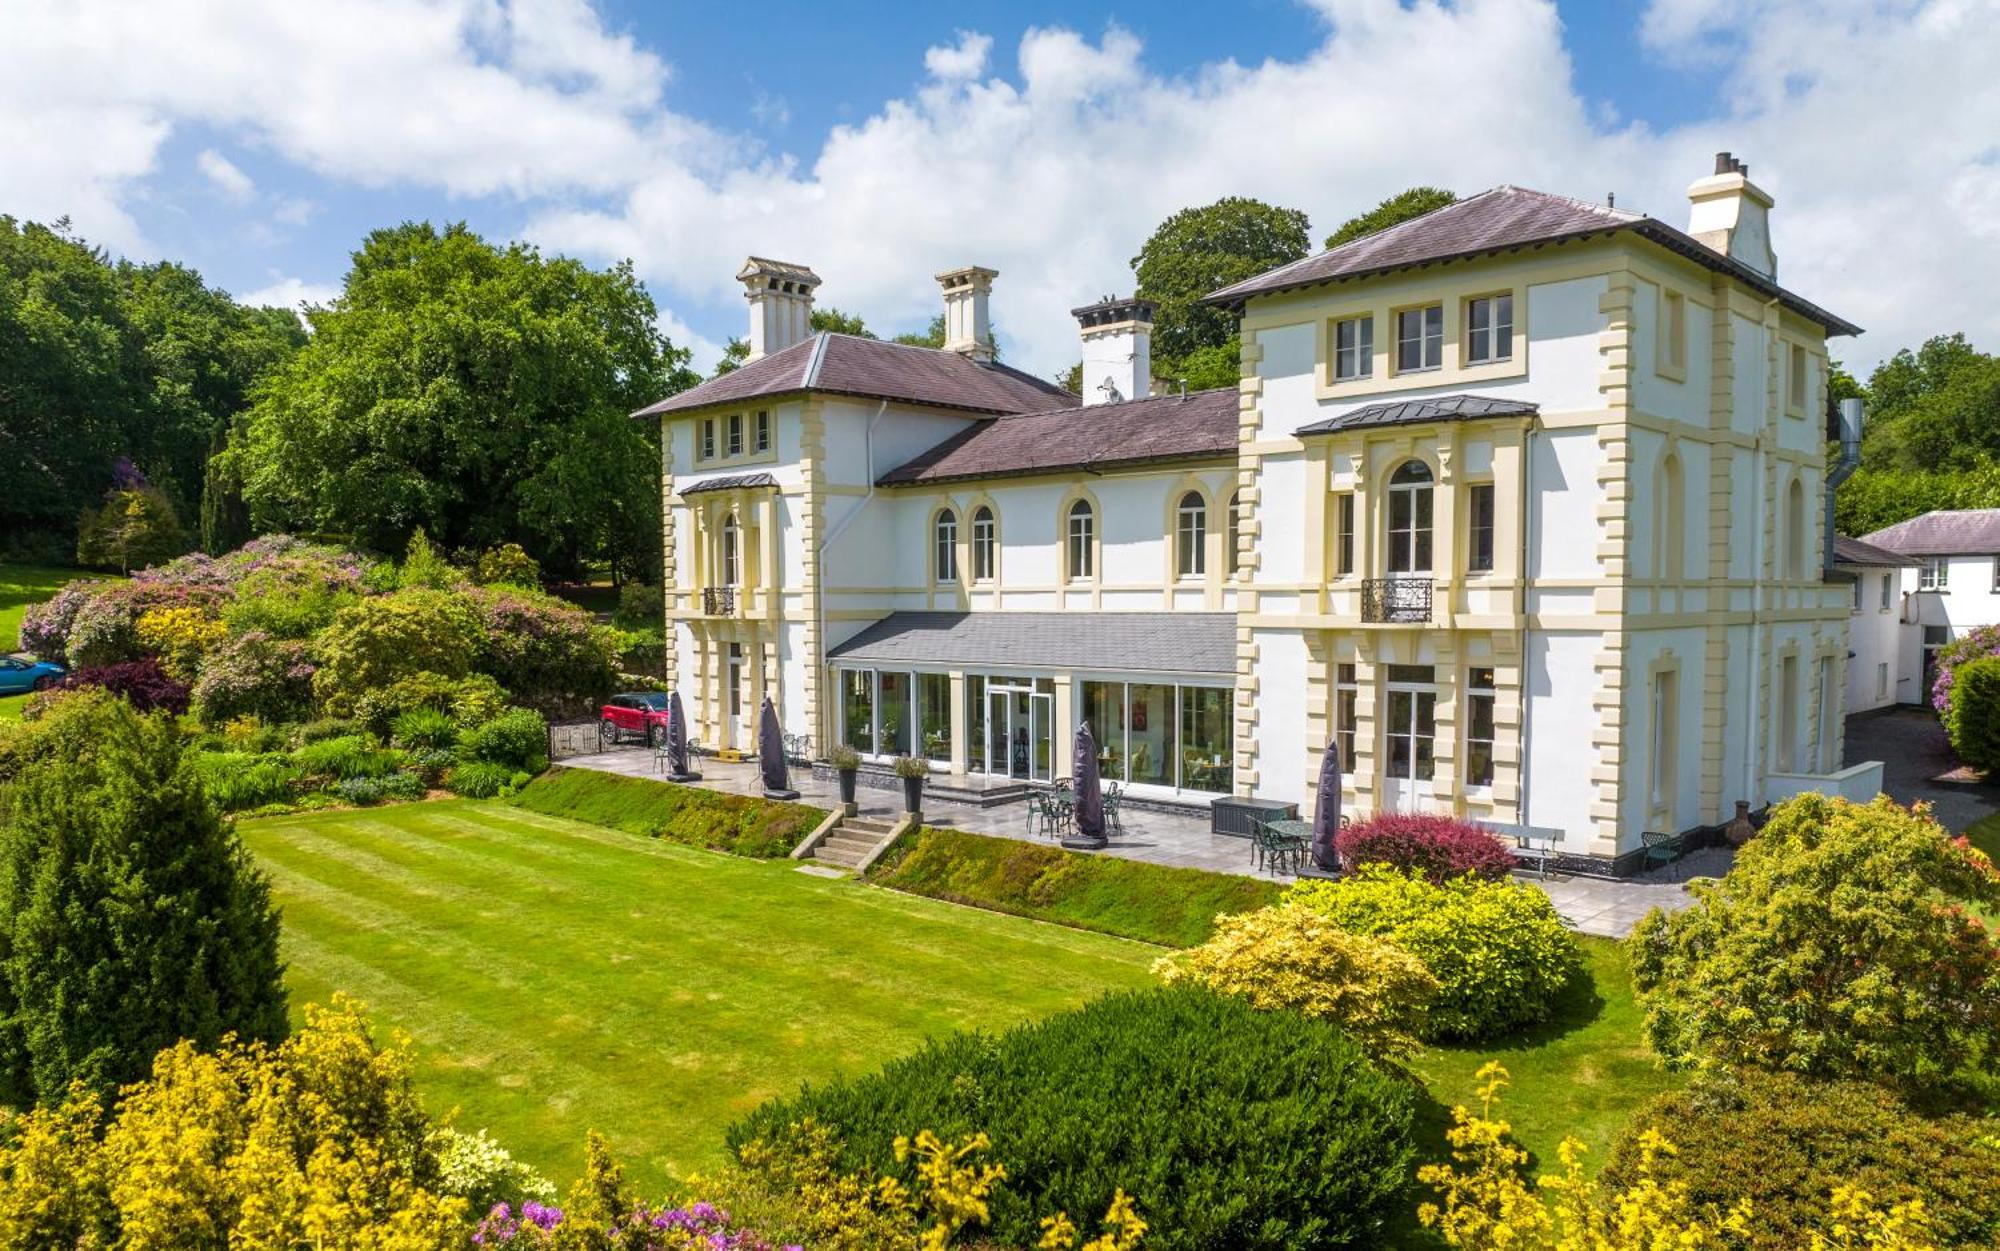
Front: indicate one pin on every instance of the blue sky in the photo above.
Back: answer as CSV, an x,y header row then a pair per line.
x,y
880,143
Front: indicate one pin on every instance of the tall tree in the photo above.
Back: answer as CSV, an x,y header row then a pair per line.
x,y
477,391
1198,250
131,917
1932,439
1393,211
736,352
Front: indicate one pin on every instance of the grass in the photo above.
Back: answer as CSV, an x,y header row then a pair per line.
x,y
556,976
762,829
1150,902
22,586
1985,835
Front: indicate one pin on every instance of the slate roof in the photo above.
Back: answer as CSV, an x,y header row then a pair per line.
x,y
1197,643
1945,532
1411,412
1848,551
875,369
1197,426
1503,219
730,483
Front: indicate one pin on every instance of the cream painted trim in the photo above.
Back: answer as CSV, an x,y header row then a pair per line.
x,y
1455,297
1094,582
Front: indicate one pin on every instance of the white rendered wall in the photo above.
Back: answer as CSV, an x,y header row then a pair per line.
x,y
1282,684
1875,638
1559,678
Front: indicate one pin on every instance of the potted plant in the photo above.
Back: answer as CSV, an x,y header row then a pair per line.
x,y
847,763
913,770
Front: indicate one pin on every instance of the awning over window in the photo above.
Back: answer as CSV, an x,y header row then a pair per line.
x,y
1192,643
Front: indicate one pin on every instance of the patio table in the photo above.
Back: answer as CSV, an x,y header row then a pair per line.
x,y
1293,837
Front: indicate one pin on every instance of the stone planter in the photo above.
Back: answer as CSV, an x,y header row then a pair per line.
x,y
847,781
913,794
1740,830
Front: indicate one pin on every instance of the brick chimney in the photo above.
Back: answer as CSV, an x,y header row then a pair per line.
x,y
968,326
781,298
1733,215
1117,349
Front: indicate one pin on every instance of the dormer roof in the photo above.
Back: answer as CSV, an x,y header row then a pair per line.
x,y
1505,219
842,364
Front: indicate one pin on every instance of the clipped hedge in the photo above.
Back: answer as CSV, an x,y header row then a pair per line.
x,y
1150,902
1972,716
1783,1142
1231,1128
1442,847
760,828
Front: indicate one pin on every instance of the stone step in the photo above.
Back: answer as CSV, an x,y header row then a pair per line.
x,y
841,842
845,859
866,826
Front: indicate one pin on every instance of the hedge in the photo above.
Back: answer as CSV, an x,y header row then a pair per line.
x,y
761,828
1230,1127
1150,902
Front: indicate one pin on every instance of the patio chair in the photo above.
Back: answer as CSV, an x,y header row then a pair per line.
x,y
1112,796
1661,848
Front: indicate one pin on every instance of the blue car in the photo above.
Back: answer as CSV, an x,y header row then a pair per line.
x,y
17,676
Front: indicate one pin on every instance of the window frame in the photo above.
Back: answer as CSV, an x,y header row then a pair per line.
x,y
1663,756
1232,558
944,547
732,556
1079,541
1480,697
1420,497
1934,574
763,427
1343,534
1798,371
705,449
1670,347
1360,354
985,544
1346,711
1491,333
1191,536
1479,529
734,442
1430,341
1422,697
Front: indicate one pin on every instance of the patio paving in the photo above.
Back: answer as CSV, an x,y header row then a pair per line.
x,y
1596,906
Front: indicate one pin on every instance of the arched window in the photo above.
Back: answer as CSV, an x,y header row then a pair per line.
x,y
1191,536
1795,531
984,544
944,558
1082,544
1232,559
1410,518
1670,521
731,542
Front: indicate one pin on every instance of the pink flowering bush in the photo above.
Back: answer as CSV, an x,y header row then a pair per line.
x,y
1439,847
254,675
547,652
1977,644
693,1227
45,629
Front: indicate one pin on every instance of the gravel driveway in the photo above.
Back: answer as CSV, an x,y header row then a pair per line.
x,y
1915,758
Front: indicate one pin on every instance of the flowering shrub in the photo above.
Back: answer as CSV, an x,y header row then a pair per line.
x,y
1499,950
142,682
1441,847
180,636
45,627
257,675
1488,1203
1841,944
485,1174
244,1146
1972,717
1292,957
374,642
548,653
1812,1136
508,565
1982,642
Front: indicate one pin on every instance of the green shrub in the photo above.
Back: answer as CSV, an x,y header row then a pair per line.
x,y
1972,718
507,565
1231,1128
376,641
1782,1142
516,737
479,779
351,756
641,606
759,828
359,791
1839,945
403,786
131,917
1294,959
423,729
1499,950
1151,902
238,781
282,609
550,655
479,1170
326,728
467,701
254,675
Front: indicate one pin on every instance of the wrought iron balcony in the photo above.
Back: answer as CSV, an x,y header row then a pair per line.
x,y
1396,601
718,601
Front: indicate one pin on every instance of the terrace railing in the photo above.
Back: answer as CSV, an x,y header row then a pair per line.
x,y
1396,601
718,601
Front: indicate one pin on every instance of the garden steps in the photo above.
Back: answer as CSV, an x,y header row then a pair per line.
x,y
854,842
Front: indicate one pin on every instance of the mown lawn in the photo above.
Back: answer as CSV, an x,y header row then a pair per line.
x,y
557,977
21,586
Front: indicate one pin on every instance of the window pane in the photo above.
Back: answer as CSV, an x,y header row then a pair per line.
x,y
1401,748
1426,734
1104,709
857,709
1346,536
975,722
895,703
1150,718
934,714
1206,740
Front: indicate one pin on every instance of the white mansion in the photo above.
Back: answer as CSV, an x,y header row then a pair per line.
x,y
1522,500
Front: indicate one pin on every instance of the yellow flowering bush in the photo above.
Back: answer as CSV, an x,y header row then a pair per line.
x,y
1487,1203
319,1141
180,636
1293,957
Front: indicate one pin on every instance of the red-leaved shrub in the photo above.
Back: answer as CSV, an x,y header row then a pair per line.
x,y
141,682
1441,847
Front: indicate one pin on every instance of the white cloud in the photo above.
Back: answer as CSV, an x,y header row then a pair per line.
x,y
290,293
1872,121
219,170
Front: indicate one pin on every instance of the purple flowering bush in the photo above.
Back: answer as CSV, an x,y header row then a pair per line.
x,y
255,675
142,683
547,652
693,1227
1976,644
45,629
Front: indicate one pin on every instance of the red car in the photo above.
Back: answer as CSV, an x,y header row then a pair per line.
x,y
643,713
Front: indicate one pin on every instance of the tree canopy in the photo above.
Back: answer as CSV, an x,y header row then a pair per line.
x,y
477,391
102,360
1198,250
1933,435
1393,211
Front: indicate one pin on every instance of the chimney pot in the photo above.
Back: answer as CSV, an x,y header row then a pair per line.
x,y
968,322
781,296
1724,163
1117,349
1731,215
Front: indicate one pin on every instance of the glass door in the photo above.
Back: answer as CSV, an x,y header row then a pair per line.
x,y
1043,719
999,730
